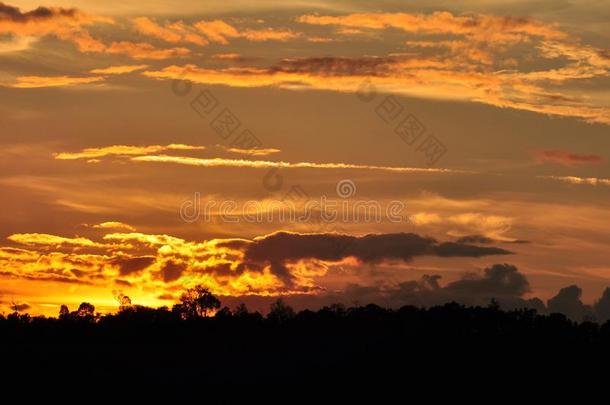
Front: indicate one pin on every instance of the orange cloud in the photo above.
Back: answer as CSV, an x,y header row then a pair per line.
x,y
143,50
484,40
174,33
254,151
418,76
65,24
220,32
32,82
69,25
146,26
263,164
17,43
228,56
492,226
340,74
484,27
163,264
114,225
122,150
592,181
251,151
269,34
51,240
462,49
52,266
425,218
217,30
582,54
118,70
566,158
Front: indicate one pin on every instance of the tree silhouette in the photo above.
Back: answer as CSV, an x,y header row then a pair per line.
x,y
225,313
280,312
123,300
64,312
197,302
85,310
15,307
333,342
241,310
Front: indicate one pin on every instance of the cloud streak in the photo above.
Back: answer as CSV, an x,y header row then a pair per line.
x,y
203,32
114,225
35,82
118,70
482,27
264,164
251,151
122,150
143,50
592,181
566,158
172,32
221,32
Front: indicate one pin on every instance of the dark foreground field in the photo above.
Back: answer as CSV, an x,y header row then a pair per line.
x,y
333,345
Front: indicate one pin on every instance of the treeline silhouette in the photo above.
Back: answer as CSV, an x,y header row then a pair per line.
x,y
197,340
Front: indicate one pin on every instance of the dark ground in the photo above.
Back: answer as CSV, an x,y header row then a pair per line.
x,y
356,347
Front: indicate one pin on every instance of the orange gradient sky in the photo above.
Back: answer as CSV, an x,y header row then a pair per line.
x,y
114,116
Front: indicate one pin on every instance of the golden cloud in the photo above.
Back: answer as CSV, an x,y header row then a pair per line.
x,y
253,151
65,24
70,25
228,56
143,50
114,225
491,28
122,150
51,240
491,226
220,32
174,32
269,34
17,43
33,82
217,30
264,164
592,181
425,76
118,70
425,218
162,264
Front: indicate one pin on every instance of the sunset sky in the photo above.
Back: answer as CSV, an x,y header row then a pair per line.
x,y
488,120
